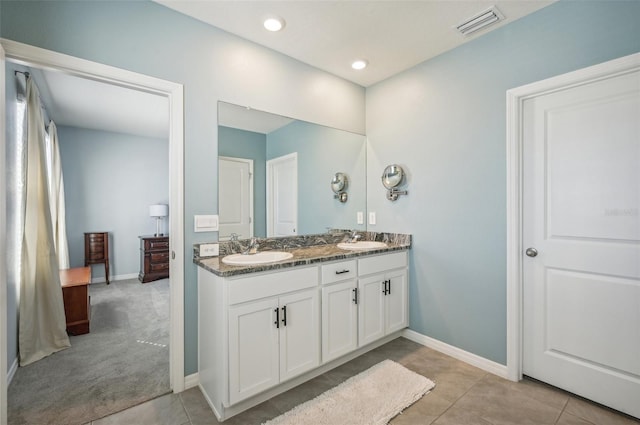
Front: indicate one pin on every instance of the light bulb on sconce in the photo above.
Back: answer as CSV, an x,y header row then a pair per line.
x,y
158,211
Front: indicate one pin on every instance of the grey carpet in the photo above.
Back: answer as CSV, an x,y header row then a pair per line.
x,y
122,362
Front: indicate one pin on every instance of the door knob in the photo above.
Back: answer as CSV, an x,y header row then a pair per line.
x,y
531,252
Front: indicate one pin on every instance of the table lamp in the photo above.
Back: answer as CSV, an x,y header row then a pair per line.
x,y
158,211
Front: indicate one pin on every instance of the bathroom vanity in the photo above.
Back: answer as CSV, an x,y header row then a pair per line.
x,y
267,328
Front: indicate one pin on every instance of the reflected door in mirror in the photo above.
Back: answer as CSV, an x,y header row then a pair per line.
x,y
282,196
235,195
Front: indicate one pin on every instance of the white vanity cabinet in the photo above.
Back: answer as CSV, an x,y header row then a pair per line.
x,y
272,340
260,334
383,301
339,309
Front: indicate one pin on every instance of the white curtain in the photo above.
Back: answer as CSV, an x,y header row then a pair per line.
x,y
56,199
42,329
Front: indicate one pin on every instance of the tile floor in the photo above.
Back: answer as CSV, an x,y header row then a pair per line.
x,y
463,395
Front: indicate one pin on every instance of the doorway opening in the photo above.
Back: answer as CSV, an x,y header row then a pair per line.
x,y
29,56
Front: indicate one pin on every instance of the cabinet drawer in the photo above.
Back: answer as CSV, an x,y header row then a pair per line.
x,y
159,257
270,284
158,267
381,263
156,244
96,237
336,272
96,252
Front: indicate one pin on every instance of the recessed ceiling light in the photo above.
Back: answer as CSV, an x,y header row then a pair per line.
x,y
273,23
359,64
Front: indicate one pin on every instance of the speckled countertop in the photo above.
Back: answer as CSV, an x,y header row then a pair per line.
x,y
302,255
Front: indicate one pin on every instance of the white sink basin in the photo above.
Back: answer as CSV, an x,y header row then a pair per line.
x,y
263,257
354,246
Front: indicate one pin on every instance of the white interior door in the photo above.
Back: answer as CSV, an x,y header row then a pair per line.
x,y
581,204
235,197
282,196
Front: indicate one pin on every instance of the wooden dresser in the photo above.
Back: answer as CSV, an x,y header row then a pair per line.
x,y
154,258
96,250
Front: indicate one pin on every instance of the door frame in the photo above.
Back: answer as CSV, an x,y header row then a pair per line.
x,y
34,56
270,202
515,160
251,182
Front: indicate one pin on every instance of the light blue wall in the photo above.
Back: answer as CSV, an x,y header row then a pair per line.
x,y
213,65
322,152
110,180
444,120
247,144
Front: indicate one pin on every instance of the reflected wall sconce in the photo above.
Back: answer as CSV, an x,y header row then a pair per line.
x,y
158,211
392,177
339,184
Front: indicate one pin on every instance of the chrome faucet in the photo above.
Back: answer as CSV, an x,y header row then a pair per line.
x,y
354,237
252,248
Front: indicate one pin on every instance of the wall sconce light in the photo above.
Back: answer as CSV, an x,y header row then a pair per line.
x,y
158,211
339,186
392,177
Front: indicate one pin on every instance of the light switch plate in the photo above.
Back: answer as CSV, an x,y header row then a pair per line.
x,y
360,217
205,223
372,218
209,250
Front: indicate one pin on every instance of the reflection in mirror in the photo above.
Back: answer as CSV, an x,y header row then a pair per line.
x,y
272,175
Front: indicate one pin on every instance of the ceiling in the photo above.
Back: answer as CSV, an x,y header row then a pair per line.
x,y
391,35
85,103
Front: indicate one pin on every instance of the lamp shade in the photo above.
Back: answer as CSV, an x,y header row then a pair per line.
x,y
158,210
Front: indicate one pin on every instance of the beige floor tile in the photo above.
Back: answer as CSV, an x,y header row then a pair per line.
x,y
498,402
255,416
567,419
197,407
165,410
460,416
544,393
596,414
422,412
352,368
302,393
453,378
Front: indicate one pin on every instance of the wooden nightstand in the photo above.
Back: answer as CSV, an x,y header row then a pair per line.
x,y
96,250
154,258
75,294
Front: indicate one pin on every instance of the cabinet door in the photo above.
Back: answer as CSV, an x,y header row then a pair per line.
x,y
371,323
253,348
339,320
299,333
396,313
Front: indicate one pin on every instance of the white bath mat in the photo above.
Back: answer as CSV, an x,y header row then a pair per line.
x,y
372,397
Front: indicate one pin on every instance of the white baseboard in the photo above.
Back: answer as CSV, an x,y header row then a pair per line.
x,y
457,353
191,381
12,371
114,278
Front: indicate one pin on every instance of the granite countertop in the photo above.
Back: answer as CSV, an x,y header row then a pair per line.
x,y
302,256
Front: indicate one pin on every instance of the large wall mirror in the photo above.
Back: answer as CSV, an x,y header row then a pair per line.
x,y
275,174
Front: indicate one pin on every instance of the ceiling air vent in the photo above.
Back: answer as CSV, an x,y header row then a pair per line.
x,y
480,21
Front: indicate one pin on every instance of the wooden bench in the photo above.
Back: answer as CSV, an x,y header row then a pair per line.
x,y
77,304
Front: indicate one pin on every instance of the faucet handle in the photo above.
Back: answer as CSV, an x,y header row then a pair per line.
x,y
233,237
